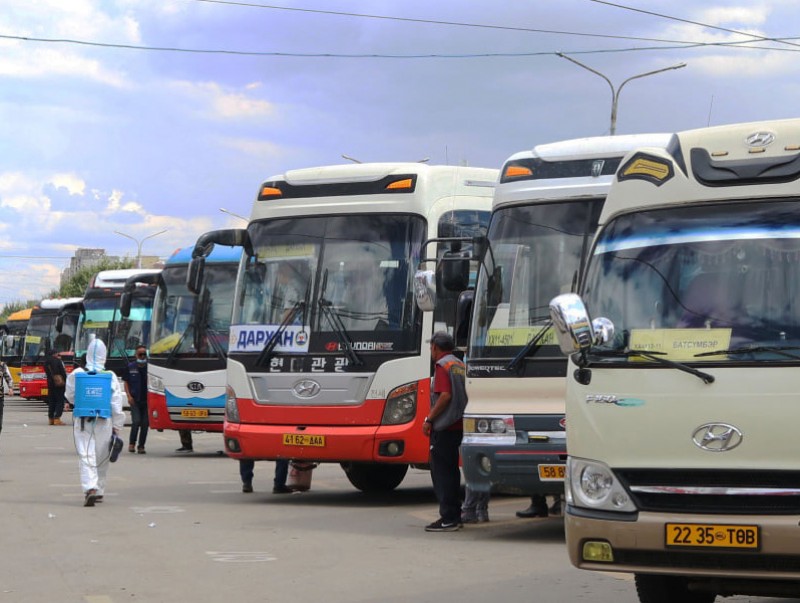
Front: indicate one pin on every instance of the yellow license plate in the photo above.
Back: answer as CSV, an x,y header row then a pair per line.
x,y
552,473
44,391
194,413
712,535
301,439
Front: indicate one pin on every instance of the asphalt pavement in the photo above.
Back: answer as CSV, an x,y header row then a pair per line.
x,y
176,527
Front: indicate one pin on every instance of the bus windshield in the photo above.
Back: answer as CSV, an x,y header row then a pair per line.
x,y
38,337
103,320
335,275
177,329
696,282
536,253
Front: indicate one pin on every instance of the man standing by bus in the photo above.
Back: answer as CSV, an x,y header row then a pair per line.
x,y
135,379
444,426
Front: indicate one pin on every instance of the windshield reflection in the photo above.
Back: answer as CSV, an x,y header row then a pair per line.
x,y
700,279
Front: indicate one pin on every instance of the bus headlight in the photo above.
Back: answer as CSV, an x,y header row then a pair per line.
x,y
593,485
155,384
231,407
491,430
401,405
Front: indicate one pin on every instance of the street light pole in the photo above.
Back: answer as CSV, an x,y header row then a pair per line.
x,y
139,243
230,213
615,92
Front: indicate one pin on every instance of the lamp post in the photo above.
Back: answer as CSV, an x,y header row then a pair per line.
x,y
139,243
230,213
615,92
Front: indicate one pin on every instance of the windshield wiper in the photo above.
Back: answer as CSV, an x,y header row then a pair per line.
x,y
326,308
776,349
174,351
266,353
530,348
657,357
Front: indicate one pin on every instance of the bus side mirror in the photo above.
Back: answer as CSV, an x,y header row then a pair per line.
x,y
425,290
194,275
59,323
455,266
463,317
573,327
125,304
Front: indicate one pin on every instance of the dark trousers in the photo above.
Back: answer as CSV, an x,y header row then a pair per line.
x,y
140,423
186,438
2,405
445,474
55,402
246,467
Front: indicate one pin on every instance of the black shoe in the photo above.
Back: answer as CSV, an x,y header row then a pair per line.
x,y
440,525
91,497
184,449
282,490
141,450
98,499
247,487
533,511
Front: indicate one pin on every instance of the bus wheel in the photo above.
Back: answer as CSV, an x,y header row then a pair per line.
x,y
375,477
653,588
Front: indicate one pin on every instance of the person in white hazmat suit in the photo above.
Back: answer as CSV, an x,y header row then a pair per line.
x,y
93,434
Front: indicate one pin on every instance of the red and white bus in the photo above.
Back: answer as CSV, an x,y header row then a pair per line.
x,y
40,336
328,360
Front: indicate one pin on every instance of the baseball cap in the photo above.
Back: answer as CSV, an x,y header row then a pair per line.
x,y
443,340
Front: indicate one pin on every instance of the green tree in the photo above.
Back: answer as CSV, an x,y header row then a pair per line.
x,y
76,285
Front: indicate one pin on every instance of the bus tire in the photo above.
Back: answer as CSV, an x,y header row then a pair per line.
x,y
653,588
375,477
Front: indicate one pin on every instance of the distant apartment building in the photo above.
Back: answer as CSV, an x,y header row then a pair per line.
x,y
85,257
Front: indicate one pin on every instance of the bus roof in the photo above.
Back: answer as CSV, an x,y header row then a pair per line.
x,y
594,147
115,279
721,163
220,253
57,303
370,188
574,179
20,315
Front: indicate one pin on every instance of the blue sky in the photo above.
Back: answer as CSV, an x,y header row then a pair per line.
x,y
102,138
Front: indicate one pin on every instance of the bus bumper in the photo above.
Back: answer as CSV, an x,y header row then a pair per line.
x,y
191,417
638,544
371,443
513,469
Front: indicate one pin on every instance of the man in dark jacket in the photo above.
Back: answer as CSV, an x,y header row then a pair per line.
x,y
56,385
135,379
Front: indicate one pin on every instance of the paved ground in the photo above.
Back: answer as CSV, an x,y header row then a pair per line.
x,y
177,528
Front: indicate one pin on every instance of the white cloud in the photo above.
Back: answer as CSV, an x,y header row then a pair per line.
x,y
255,148
71,182
225,104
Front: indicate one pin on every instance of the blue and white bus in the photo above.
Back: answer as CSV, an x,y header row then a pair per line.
x,y
186,373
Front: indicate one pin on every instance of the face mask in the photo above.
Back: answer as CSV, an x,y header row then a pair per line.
x,y
141,361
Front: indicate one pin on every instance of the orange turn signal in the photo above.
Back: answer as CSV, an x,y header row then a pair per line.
x,y
397,184
515,171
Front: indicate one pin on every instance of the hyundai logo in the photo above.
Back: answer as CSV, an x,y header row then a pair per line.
x,y
195,386
760,139
307,388
717,437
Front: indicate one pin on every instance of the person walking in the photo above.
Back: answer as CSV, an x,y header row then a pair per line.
x,y
246,471
444,426
56,382
135,379
6,386
93,434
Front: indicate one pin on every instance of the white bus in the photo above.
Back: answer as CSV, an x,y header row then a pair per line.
x,y
682,392
190,333
544,216
101,317
328,360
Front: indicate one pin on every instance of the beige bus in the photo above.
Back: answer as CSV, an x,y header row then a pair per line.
x,y
682,392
